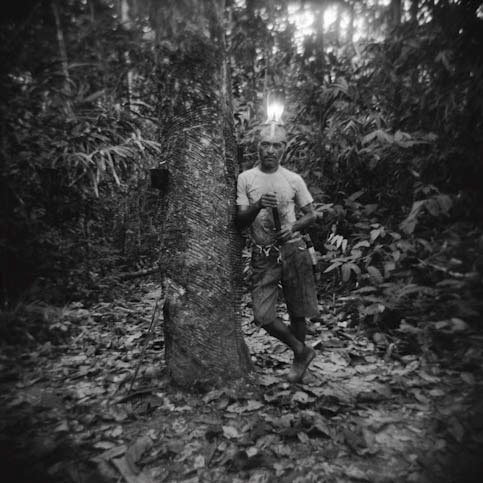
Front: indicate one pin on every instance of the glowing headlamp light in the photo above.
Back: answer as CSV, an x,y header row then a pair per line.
x,y
275,107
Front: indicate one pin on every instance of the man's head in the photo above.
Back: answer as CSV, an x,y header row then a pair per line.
x,y
271,146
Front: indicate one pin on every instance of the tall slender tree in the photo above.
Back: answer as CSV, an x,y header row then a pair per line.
x,y
63,56
413,10
320,7
396,12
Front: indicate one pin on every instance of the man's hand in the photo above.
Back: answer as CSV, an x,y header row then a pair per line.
x,y
246,214
285,234
268,200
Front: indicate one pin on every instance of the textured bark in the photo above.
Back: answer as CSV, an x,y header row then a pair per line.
x,y
396,12
63,56
337,24
350,33
413,10
320,41
201,248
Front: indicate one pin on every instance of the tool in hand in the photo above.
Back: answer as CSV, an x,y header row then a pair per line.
x,y
276,219
278,227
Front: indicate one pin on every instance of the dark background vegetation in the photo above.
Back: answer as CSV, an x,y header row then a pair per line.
x,y
385,124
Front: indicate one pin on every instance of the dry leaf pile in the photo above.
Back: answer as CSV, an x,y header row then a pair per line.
x,y
362,414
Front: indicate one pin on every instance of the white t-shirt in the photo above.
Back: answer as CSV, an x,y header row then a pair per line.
x,y
291,191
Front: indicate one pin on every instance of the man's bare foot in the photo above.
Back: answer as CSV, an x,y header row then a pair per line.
x,y
300,365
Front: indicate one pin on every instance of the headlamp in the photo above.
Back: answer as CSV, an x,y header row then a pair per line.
x,y
275,107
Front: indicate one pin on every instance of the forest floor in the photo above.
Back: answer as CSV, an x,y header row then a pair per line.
x,y
363,413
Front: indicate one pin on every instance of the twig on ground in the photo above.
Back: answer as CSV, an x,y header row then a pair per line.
x,y
139,273
141,356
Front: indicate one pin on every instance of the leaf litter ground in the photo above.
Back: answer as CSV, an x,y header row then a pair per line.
x,y
361,414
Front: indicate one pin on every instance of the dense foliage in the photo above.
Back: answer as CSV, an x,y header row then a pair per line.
x,y
76,151
388,135
385,110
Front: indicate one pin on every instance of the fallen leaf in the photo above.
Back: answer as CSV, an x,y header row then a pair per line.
x,y
235,408
253,405
452,325
427,377
355,473
456,429
277,396
230,432
213,395
303,438
63,427
114,452
104,445
301,397
468,377
128,474
116,432
199,462
138,448
321,427
316,391
252,451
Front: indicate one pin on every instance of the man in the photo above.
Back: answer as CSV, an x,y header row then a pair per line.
x,y
264,193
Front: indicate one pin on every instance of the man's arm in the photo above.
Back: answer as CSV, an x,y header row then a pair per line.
x,y
247,213
307,218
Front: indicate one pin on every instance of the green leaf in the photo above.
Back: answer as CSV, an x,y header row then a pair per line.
x,y
375,274
388,268
356,195
94,96
363,243
332,267
110,162
354,268
346,272
445,203
377,135
375,234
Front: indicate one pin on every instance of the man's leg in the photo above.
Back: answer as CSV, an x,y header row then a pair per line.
x,y
266,276
298,328
301,298
283,333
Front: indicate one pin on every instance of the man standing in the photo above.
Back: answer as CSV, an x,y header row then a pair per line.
x,y
266,198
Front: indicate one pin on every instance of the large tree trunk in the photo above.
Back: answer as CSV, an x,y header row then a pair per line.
x,y
201,250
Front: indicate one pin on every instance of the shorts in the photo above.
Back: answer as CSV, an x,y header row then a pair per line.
x,y
296,273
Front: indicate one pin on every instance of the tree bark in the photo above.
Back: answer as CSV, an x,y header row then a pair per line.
x,y
63,56
124,10
413,10
396,12
350,32
251,50
319,38
337,24
201,249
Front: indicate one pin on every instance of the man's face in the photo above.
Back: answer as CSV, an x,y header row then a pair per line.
x,y
270,153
